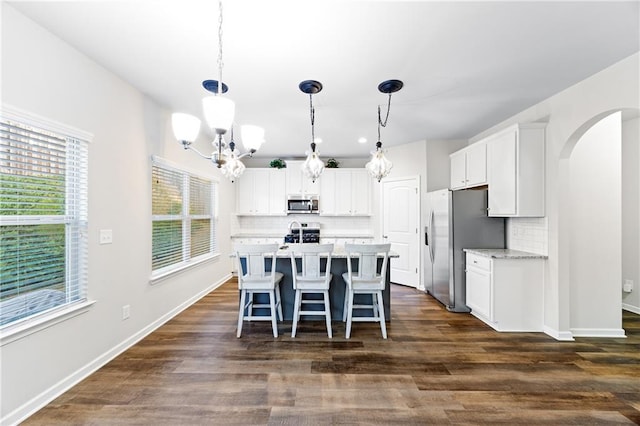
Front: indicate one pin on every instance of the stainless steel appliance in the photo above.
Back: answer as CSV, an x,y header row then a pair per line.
x,y
456,220
302,204
310,233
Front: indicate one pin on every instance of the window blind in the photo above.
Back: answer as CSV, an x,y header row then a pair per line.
x,y
43,220
183,225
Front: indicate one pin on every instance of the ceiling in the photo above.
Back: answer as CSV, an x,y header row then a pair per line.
x,y
466,66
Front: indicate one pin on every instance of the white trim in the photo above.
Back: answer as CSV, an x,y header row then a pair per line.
x,y
564,336
16,114
37,323
631,308
599,332
27,409
180,267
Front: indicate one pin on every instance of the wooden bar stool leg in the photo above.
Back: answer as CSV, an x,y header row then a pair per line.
x,y
243,294
296,312
327,313
383,325
272,302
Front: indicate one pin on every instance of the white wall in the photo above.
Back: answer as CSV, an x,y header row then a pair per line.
x,y
569,113
631,211
438,163
44,76
430,161
595,241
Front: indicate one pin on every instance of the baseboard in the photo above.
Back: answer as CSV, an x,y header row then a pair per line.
x,y
631,308
32,406
599,332
565,336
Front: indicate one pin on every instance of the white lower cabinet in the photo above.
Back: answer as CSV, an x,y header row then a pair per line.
x,y
506,293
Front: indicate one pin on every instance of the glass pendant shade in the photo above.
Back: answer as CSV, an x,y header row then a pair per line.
x,y
378,167
313,166
219,112
185,126
252,137
233,167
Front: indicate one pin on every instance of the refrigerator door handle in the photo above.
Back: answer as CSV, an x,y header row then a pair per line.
x,y
430,235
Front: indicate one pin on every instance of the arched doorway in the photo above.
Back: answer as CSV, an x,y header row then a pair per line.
x,y
590,230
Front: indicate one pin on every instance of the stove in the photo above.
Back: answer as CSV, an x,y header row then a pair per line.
x,y
310,234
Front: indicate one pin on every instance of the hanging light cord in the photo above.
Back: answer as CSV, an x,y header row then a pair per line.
x,y
220,63
386,118
312,113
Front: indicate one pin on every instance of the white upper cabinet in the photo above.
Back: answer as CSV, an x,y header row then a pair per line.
x,y
345,192
277,192
516,171
361,183
298,183
261,192
327,198
469,166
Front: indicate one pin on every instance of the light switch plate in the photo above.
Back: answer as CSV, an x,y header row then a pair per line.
x,y
106,236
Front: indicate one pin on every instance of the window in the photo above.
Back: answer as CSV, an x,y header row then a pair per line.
x,y
183,229
43,218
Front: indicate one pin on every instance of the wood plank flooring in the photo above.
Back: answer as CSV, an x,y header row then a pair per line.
x,y
436,367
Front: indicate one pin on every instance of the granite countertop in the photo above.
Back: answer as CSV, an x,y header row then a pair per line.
x,y
506,254
281,234
338,252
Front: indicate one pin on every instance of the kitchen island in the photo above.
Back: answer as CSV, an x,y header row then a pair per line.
x,y
337,288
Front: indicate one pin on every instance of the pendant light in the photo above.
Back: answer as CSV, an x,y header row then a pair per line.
x,y
313,165
219,112
379,166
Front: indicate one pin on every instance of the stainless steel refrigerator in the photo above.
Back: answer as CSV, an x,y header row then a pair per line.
x,y
456,220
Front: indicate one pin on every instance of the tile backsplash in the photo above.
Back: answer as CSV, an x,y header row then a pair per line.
x,y
528,234
330,226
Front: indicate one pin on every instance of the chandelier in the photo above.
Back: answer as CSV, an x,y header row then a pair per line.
x,y
379,166
219,113
313,165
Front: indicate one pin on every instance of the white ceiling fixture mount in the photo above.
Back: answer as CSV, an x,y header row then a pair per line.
x,y
379,166
313,165
219,113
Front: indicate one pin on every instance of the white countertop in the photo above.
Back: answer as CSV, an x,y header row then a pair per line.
x,y
506,254
281,234
338,252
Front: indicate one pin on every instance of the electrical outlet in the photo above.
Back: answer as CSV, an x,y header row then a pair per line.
x,y
106,236
627,287
126,311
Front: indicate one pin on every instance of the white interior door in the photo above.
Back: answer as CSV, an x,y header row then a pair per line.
x,y
400,223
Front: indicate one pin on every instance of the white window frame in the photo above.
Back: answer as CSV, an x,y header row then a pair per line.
x,y
185,216
31,324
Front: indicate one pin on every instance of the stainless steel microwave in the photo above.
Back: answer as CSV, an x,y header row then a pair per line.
x,y
302,204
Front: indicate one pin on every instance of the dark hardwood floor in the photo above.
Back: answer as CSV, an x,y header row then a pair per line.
x,y
436,367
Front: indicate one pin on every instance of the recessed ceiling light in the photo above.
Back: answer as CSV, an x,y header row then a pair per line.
x,y
362,140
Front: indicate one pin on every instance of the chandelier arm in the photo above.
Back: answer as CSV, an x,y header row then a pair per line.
x,y
247,154
208,157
